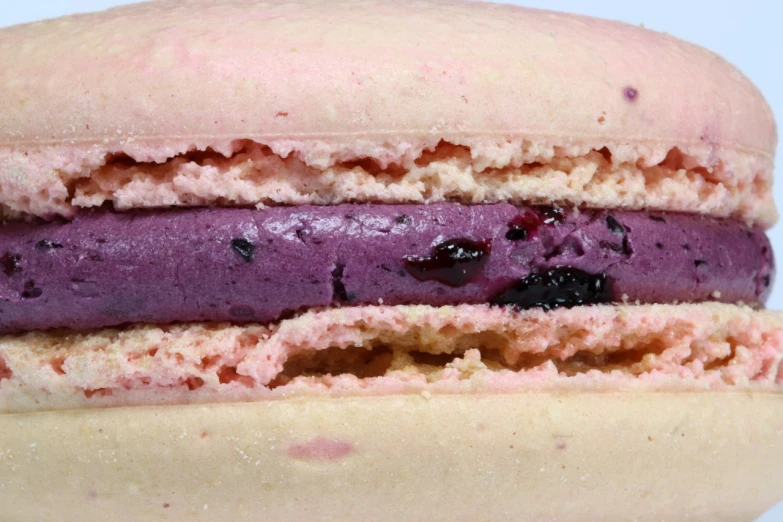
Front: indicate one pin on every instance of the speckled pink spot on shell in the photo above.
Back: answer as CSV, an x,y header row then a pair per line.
x,y
321,448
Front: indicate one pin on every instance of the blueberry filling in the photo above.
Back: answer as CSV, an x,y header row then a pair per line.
x,y
357,255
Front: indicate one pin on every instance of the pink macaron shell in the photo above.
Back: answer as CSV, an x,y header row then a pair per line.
x,y
517,99
381,350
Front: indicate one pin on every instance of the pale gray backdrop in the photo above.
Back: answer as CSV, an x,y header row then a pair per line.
x,y
747,33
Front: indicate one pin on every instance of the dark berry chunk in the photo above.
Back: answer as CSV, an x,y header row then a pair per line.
x,y
523,226
558,287
11,263
614,247
45,244
402,219
338,287
699,262
659,219
624,248
245,248
454,262
30,291
627,250
659,246
615,226
516,233
767,280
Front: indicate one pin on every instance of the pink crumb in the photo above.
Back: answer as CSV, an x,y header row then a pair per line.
x,y
321,448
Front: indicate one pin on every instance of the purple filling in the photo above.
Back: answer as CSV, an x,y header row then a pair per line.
x,y
241,265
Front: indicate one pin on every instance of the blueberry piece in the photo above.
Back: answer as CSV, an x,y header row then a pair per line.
x,y
45,244
614,247
30,291
244,247
516,234
615,226
402,219
11,263
627,250
455,262
523,226
557,287
659,219
339,292
699,262
551,215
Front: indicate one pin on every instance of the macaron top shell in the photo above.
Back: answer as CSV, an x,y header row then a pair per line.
x,y
326,82
323,70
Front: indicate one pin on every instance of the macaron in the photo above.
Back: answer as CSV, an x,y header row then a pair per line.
x,y
435,260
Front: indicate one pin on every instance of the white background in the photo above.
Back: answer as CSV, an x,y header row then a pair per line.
x,y
747,33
